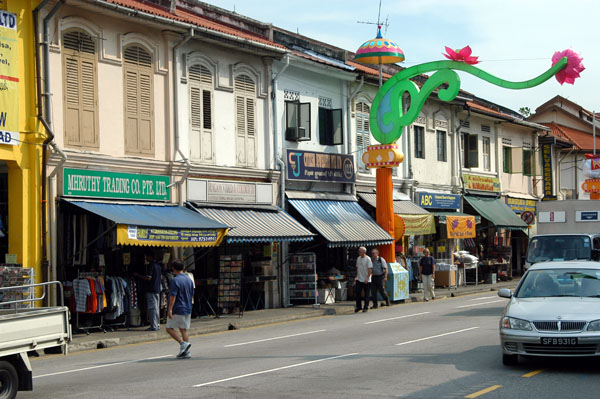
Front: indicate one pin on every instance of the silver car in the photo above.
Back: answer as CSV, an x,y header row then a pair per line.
x,y
554,311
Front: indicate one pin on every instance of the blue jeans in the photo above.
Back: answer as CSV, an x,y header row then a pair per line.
x,y
153,302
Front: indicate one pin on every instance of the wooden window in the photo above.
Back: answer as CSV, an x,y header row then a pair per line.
x,y
297,121
469,147
528,159
330,126
506,159
201,123
139,101
80,85
485,144
363,132
245,116
419,141
441,146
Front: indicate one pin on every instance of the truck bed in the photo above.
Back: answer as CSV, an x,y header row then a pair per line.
x,y
33,329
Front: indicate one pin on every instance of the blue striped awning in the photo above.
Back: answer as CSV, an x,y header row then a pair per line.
x,y
258,225
342,223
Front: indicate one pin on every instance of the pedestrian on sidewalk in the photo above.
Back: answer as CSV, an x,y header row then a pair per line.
x,y
364,270
153,288
380,273
181,292
427,274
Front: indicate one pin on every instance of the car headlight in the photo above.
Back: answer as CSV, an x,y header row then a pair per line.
x,y
517,324
594,325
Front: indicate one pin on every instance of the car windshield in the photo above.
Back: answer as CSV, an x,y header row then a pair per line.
x,y
560,283
558,248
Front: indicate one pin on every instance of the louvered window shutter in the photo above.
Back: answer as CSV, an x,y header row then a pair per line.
x,y
201,132
80,90
245,104
363,135
139,101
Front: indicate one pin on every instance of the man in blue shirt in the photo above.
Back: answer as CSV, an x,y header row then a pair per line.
x,y
181,293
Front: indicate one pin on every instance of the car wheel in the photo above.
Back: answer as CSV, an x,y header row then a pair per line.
x,y
510,360
9,381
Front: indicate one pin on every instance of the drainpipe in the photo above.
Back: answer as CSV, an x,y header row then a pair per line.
x,y
348,121
184,158
44,115
497,160
283,288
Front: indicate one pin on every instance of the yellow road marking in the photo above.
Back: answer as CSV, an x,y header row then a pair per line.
x,y
536,372
483,391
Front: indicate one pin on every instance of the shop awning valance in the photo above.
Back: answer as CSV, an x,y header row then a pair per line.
x,y
401,207
496,211
267,224
342,223
158,225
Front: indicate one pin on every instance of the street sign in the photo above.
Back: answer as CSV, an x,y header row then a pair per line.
x,y
528,217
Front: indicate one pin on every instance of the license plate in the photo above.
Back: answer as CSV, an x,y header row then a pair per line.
x,y
559,341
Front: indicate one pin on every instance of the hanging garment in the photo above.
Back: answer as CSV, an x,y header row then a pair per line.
x,y
82,290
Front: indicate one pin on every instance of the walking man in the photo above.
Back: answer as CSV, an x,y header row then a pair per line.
x,y
427,274
364,270
181,293
380,273
153,288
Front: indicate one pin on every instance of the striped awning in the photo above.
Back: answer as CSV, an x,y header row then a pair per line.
x,y
267,224
401,207
342,223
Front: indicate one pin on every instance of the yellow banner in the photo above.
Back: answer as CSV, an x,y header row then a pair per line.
x,y
460,226
9,80
163,237
481,183
416,225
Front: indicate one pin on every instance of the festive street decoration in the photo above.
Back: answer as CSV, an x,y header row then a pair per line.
x,y
572,70
383,156
591,170
463,54
379,51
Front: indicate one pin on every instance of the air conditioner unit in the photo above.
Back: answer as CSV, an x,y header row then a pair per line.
x,y
296,134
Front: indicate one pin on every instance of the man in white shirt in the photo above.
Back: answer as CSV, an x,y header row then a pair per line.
x,y
364,270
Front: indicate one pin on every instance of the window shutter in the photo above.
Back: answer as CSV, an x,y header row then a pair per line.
x,y
207,132
80,89
517,160
240,117
201,134
139,101
245,104
200,74
195,123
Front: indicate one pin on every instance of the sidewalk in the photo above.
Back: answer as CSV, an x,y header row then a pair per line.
x,y
206,325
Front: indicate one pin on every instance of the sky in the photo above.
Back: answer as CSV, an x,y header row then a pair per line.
x,y
514,39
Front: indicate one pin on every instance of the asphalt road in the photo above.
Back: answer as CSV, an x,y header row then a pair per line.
x,y
446,348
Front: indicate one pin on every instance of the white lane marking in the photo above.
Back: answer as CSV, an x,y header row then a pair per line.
x,y
396,318
101,366
436,336
274,338
484,297
273,370
480,303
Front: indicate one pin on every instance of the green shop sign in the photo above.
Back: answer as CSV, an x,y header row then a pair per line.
x,y
102,184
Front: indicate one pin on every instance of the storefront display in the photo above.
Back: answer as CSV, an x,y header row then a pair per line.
x,y
230,282
303,278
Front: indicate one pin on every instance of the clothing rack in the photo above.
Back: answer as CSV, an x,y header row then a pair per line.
x,y
97,316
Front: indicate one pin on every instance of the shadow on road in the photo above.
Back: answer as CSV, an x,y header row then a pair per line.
x,y
479,312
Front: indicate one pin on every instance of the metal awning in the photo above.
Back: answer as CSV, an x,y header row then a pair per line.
x,y
158,225
496,211
401,207
266,224
342,223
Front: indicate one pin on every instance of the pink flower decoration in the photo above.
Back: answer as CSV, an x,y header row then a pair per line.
x,y
574,66
462,55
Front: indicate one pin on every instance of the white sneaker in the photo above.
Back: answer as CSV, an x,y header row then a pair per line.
x,y
184,348
186,356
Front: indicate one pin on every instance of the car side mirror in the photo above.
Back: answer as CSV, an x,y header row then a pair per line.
x,y
504,293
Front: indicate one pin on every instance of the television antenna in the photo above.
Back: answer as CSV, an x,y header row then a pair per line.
x,y
379,22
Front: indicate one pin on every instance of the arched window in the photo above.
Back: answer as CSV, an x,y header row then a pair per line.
x,y
80,85
245,113
138,85
363,134
201,124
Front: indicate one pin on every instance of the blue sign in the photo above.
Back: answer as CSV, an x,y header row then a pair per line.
x,y
439,201
589,215
320,166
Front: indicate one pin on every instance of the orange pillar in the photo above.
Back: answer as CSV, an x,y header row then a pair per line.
x,y
385,210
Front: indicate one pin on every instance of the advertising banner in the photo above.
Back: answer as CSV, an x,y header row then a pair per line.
x,y
156,236
415,225
320,166
9,80
547,171
103,184
439,201
460,226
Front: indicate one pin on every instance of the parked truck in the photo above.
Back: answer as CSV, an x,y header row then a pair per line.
x,y
566,230
28,329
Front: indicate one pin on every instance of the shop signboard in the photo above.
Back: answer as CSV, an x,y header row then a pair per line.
x,y
547,171
587,216
460,226
9,80
115,185
439,200
320,166
171,235
481,183
218,191
519,205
